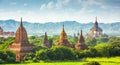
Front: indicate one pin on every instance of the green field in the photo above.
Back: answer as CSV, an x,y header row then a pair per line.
x,y
102,61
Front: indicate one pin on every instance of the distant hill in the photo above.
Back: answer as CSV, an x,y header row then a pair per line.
x,y
71,27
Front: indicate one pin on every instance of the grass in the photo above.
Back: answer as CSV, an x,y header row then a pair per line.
x,y
102,61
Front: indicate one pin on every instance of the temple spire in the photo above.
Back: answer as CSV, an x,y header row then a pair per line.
x,y
45,37
21,44
46,41
63,28
81,43
81,31
63,40
96,23
81,39
21,22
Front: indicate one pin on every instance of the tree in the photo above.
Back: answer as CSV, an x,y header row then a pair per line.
x,y
104,49
41,55
63,53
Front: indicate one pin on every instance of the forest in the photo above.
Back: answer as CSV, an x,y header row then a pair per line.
x,y
97,47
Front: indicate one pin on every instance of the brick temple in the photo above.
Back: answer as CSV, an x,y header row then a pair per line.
x,y
96,31
81,43
21,44
46,41
63,40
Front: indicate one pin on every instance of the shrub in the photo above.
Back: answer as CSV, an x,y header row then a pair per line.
x,y
51,55
58,53
2,61
63,53
92,63
3,55
10,60
41,55
29,56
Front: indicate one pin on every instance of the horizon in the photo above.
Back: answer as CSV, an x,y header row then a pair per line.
x,y
63,22
42,11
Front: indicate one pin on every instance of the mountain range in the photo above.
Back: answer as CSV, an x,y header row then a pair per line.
x,y
71,27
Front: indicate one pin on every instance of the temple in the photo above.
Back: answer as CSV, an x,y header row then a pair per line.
x,y
81,43
46,41
21,44
96,31
6,34
63,40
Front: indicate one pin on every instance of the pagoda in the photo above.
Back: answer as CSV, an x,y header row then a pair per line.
x,y
63,40
46,41
81,43
96,31
21,44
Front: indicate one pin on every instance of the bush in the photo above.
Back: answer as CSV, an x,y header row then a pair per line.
x,y
10,60
104,49
2,61
51,55
41,55
63,53
58,53
3,55
29,56
92,63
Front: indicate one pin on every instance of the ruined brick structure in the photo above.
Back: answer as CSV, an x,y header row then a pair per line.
x,y
46,41
63,40
81,43
21,44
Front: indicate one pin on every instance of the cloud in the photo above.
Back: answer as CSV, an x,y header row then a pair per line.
x,y
47,6
56,5
61,3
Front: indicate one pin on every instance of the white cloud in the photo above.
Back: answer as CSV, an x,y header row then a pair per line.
x,y
57,5
47,6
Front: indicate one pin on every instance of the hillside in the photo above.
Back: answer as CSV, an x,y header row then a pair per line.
x,y
71,27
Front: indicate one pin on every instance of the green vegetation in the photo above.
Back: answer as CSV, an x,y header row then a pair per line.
x,y
55,53
99,49
102,61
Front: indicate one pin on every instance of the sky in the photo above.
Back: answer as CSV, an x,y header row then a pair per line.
x,y
83,11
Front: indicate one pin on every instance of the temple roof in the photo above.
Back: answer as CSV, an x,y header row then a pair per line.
x,y
21,34
96,27
63,34
45,36
81,43
63,39
81,39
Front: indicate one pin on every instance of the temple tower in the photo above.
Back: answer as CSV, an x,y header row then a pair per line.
x,y
96,31
21,44
63,40
81,43
46,41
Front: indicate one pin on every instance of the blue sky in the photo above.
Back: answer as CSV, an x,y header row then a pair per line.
x,y
83,11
